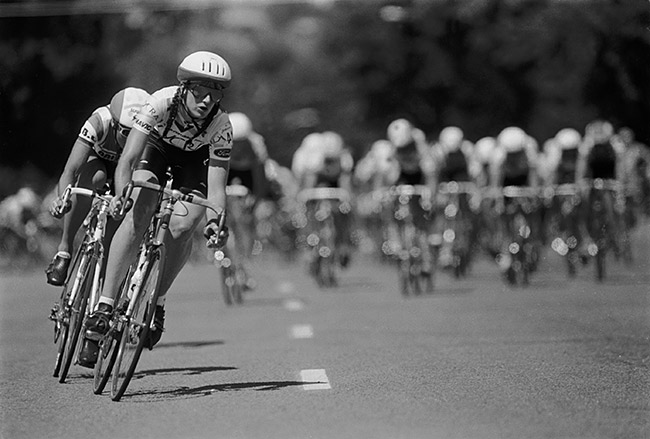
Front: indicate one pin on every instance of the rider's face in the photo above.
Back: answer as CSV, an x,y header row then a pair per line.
x,y
201,99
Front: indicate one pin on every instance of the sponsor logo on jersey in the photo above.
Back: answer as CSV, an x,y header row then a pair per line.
x,y
143,125
222,153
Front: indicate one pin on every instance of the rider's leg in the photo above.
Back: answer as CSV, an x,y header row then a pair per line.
x,y
128,236
179,244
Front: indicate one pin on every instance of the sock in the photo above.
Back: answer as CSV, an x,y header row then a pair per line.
x,y
106,301
161,301
64,255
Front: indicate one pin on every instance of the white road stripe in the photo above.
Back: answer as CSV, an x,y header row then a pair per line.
x,y
302,331
316,379
293,305
286,287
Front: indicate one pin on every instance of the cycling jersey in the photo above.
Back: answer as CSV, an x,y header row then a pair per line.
x,y
454,168
516,169
413,178
99,134
602,161
243,155
566,170
184,131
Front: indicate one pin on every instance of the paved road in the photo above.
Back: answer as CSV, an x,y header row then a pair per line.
x,y
475,359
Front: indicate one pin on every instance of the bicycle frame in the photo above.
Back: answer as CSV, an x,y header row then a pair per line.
x,y
519,229
411,205
129,331
457,223
322,239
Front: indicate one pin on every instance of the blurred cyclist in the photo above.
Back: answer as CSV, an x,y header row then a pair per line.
x,y
601,158
514,163
181,126
91,164
248,152
331,166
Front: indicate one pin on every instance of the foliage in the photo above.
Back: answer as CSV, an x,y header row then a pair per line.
x,y
347,66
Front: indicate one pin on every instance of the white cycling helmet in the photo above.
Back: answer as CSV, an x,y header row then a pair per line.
x,y
451,138
382,149
331,144
568,138
400,133
242,127
512,139
204,66
484,148
126,103
599,130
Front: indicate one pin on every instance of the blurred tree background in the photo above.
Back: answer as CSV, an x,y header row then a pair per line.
x,y
350,66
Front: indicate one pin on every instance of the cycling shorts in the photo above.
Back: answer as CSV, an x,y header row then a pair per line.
x,y
189,168
243,177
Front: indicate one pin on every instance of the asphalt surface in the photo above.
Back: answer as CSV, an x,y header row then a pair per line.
x,y
475,359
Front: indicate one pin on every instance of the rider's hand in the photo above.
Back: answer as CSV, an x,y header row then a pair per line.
x,y
58,208
116,206
211,229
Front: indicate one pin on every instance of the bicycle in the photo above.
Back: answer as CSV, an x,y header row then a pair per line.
x,y
83,285
457,225
121,347
522,250
602,222
321,205
416,259
233,274
565,220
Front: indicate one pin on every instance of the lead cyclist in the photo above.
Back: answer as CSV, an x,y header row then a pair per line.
x,y
182,127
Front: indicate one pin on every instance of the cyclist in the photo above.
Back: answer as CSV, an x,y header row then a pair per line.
x,y
91,164
514,163
413,157
331,167
248,152
181,126
636,175
480,164
413,164
601,157
454,157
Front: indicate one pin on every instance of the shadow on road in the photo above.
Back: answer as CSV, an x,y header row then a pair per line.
x,y
195,392
181,371
189,344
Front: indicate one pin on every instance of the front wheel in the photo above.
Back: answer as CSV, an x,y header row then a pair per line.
x,y
109,343
136,324
80,293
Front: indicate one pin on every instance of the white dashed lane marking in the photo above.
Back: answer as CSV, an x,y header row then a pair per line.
x,y
293,305
314,379
302,331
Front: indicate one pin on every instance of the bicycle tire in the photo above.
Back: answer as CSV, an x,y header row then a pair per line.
x,y
136,328
77,313
227,284
61,328
108,344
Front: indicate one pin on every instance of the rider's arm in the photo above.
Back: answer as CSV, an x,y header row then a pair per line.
x,y
259,147
217,178
77,158
133,148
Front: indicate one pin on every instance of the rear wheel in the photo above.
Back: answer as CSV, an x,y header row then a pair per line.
x,y
135,328
82,282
